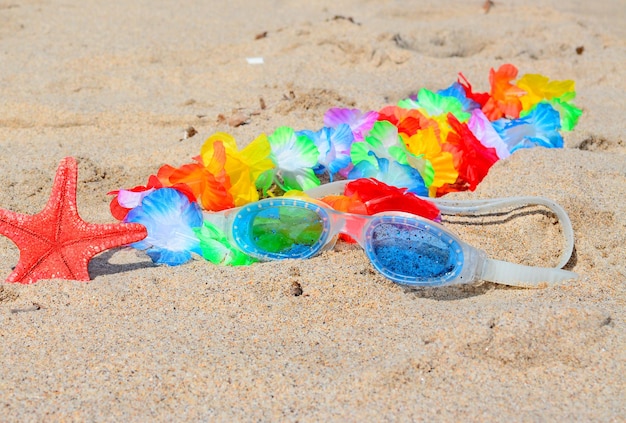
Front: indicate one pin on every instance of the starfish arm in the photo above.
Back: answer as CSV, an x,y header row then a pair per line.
x,y
56,243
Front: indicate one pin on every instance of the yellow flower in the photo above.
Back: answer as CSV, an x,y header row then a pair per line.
x,y
435,166
539,87
242,167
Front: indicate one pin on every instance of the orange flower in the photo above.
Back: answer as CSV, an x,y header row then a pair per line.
x,y
505,97
208,181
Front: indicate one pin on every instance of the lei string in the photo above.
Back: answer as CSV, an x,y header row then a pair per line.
x,y
429,144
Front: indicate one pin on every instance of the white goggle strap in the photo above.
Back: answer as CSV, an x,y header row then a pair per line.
x,y
513,274
497,270
510,273
473,207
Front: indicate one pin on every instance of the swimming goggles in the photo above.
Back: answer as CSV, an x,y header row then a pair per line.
x,y
403,247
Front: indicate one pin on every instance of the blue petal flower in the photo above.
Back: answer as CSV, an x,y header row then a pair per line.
x,y
169,218
457,91
392,173
539,128
334,148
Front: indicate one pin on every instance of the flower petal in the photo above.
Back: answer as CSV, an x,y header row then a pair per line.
x,y
294,156
169,218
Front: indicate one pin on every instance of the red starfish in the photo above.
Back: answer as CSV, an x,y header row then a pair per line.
x,y
56,243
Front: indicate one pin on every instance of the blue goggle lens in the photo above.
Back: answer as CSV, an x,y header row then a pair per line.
x,y
414,253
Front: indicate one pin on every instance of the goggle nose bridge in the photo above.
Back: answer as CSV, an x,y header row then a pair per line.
x,y
350,224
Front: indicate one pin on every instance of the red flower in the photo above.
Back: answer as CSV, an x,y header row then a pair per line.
x,y
408,121
370,196
480,98
378,197
472,159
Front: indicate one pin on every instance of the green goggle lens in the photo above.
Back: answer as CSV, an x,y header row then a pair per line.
x,y
285,231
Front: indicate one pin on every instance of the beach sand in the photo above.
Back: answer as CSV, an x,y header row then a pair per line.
x,y
115,84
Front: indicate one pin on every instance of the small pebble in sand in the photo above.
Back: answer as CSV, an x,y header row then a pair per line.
x,y
188,133
296,289
235,119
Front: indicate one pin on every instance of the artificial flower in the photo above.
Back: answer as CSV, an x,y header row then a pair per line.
x,y
383,141
217,249
480,98
408,121
540,127
294,158
170,219
360,122
472,159
504,98
369,196
390,172
558,93
346,203
207,179
334,146
243,167
568,112
434,105
378,197
538,87
126,199
484,131
457,91
435,166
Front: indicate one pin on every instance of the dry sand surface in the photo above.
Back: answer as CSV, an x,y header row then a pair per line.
x,y
116,83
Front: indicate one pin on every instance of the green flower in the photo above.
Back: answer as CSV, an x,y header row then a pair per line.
x,y
383,140
295,157
217,249
436,105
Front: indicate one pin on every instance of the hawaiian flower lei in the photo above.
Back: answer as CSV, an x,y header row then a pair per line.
x,y
427,145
